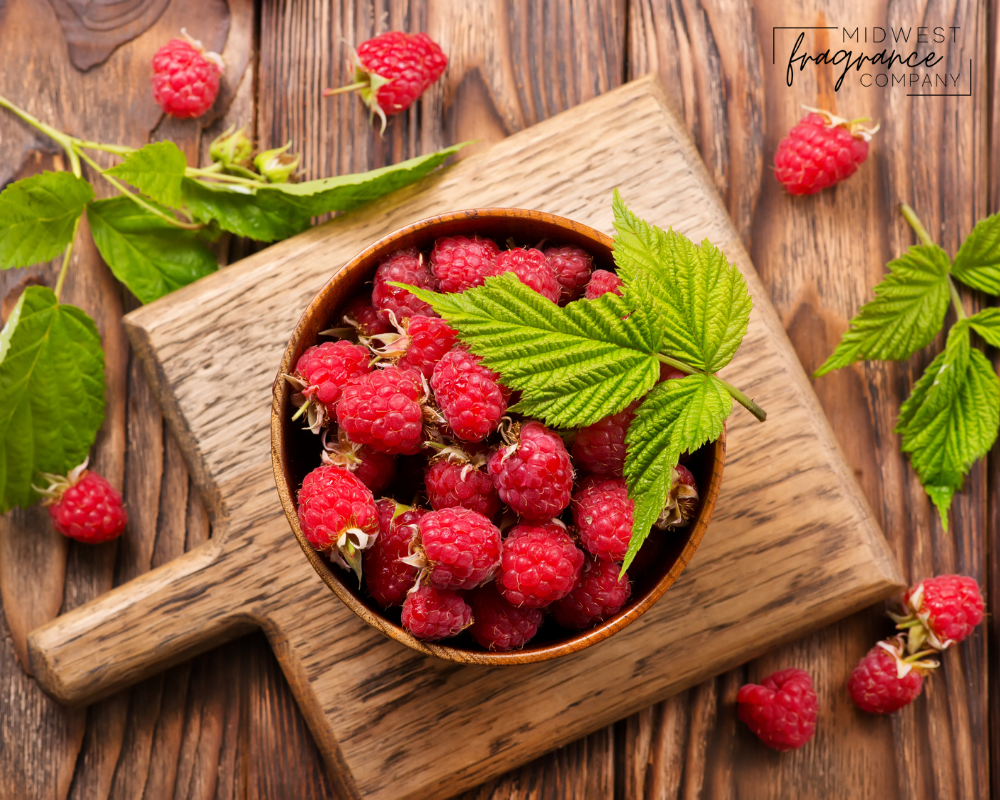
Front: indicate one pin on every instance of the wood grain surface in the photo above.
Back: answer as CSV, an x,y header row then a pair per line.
x,y
226,724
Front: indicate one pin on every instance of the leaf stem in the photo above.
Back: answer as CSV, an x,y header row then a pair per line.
x,y
911,216
193,172
63,140
739,396
116,149
956,299
66,257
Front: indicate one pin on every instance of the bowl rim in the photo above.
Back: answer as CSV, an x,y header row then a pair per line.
x,y
279,399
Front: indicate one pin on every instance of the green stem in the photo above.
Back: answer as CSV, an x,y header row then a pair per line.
x,y
64,141
349,88
66,257
911,216
116,149
739,396
956,299
193,172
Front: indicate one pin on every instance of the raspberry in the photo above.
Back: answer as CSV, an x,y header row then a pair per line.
x,y
669,373
600,448
469,395
387,577
185,78
427,339
338,515
457,479
540,564
84,506
599,594
320,375
532,269
431,614
364,317
682,500
602,282
461,548
534,476
603,512
942,610
403,266
395,68
572,267
374,469
819,151
884,682
781,711
462,262
384,410
497,625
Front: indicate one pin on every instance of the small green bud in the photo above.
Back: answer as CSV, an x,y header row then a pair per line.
x,y
277,165
231,148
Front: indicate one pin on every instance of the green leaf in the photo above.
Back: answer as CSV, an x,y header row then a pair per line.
x,y
51,392
987,324
573,365
243,211
156,170
906,314
677,416
977,262
149,255
701,300
37,216
951,418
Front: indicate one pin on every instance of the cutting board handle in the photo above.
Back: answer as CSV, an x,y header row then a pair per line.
x,y
140,628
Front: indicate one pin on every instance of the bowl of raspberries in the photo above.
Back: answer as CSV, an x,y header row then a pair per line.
x,y
448,522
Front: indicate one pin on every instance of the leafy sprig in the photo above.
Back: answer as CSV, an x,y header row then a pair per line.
x,y
952,416
681,304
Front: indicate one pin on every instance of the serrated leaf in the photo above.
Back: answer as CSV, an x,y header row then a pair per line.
x,y
977,262
156,170
573,365
150,256
51,392
906,314
243,211
701,299
37,216
987,324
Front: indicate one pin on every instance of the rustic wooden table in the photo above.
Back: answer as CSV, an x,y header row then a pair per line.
x,y
225,724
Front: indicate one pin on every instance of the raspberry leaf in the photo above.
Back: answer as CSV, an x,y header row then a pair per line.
x,y
150,256
51,392
906,314
37,217
243,211
156,170
977,262
987,324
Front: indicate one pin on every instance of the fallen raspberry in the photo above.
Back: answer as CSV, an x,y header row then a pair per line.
x,y
431,614
884,680
320,375
424,343
361,315
572,267
941,611
185,78
602,282
387,577
781,711
534,475
462,262
682,500
598,595
404,266
459,548
600,448
532,269
385,410
497,625
84,506
540,564
819,151
602,512
456,478
469,395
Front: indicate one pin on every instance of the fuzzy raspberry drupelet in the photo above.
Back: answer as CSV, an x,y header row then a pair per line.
x,y
598,594
388,579
603,513
185,78
781,711
540,564
461,548
534,476
883,681
819,151
602,282
469,395
361,315
384,410
325,369
948,607
337,515
375,469
427,339
532,269
600,448
85,507
432,614
457,483
403,266
462,262
572,267
497,625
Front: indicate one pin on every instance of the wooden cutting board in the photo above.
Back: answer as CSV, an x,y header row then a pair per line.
x,y
792,545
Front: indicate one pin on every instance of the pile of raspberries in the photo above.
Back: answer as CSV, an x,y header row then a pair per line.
x,y
443,503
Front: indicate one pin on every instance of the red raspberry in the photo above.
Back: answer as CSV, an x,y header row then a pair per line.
x,y
943,610
374,469
384,409
461,548
884,682
364,317
431,614
600,448
682,500
599,594
427,339
781,711
469,395
540,564
403,266
460,480
84,506
388,579
603,512
337,514
532,269
534,476
572,266
322,372
185,78
497,625
462,262
601,282
819,151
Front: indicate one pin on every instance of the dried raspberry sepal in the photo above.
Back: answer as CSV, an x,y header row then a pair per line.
x,y
919,661
852,126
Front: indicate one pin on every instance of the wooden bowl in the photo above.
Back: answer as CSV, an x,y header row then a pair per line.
x,y
295,452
